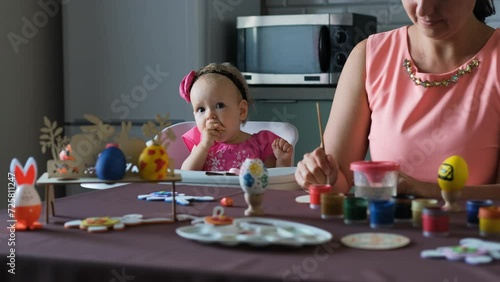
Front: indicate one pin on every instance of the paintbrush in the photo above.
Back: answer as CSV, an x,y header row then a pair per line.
x,y
320,124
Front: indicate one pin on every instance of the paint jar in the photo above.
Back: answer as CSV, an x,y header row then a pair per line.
x,y
435,222
417,205
315,191
355,210
402,207
472,208
489,221
381,213
375,180
332,205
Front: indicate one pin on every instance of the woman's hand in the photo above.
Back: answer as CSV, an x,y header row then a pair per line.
x,y
283,152
412,186
316,168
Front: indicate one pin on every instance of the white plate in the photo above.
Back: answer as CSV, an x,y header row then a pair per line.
x,y
257,231
375,241
280,178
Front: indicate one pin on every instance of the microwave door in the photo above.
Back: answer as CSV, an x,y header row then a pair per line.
x,y
286,54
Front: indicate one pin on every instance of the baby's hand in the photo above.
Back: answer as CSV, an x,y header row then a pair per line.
x,y
211,133
283,152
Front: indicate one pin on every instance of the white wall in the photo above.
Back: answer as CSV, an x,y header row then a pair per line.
x,y
30,81
390,13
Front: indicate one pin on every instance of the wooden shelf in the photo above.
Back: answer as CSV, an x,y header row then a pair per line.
x,y
45,179
50,182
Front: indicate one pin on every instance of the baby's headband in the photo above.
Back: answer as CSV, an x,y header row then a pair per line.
x,y
188,81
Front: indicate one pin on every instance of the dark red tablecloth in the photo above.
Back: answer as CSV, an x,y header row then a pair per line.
x,y
156,253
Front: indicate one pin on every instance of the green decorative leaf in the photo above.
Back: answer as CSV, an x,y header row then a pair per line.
x,y
54,125
58,131
44,149
46,121
45,136
44,130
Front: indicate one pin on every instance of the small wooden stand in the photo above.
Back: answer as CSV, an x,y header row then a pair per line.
x,y
254,202
451,198
50,182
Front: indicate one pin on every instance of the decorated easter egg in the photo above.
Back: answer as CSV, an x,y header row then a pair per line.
x,y
253,176
111,163
453,173
153,162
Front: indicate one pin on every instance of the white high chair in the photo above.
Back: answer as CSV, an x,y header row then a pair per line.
x,y
177,150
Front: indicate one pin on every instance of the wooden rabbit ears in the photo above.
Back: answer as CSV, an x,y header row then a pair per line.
x,y
26,175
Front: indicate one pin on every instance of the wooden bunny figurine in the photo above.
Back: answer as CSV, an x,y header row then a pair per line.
x,y
28,205
131,147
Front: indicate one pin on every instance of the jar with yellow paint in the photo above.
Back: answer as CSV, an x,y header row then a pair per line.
x,y
489,221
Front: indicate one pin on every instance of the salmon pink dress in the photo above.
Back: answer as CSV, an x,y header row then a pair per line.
x,y
419,127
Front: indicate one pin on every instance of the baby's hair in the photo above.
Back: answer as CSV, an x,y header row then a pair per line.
x,y
229,71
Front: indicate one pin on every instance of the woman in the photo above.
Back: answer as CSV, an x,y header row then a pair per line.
x,y
417,95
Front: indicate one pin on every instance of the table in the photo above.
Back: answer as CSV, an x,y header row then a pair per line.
x,y
156,253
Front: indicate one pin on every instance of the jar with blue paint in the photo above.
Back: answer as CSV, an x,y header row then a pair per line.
x,y
472,208
381,213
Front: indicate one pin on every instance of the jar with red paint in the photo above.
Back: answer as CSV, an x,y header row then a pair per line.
x,y
435,222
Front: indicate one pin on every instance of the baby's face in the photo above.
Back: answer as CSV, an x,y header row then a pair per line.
x,y
216,100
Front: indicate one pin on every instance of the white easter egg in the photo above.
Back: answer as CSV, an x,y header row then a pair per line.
x,y
253,176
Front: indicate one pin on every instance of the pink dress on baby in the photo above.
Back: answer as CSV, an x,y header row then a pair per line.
x,y
223,157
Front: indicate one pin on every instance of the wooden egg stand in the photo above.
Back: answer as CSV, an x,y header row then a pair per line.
x,y
77,165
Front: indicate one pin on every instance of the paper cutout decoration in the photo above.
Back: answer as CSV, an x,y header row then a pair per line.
x,y
180,199
27,203
471,250
218,218
105,223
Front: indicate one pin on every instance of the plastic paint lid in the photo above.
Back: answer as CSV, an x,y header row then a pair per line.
x,y
491,212
374,166
434,211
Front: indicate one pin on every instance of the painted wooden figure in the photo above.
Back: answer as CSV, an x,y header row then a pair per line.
x,y
28,205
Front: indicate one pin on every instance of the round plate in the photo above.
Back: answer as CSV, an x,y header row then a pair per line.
x,y
257,231
375,241
304,199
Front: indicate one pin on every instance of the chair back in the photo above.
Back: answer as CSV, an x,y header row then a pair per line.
x,y
178,152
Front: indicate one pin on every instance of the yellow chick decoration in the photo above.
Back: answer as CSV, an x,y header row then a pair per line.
x,y
453,173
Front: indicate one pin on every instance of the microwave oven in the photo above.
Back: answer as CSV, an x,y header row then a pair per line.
x,y
309,49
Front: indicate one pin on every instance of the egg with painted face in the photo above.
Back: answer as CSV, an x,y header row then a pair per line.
x,y
453,173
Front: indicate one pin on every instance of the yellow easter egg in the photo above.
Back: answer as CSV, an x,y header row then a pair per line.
x,y
153,163
453,173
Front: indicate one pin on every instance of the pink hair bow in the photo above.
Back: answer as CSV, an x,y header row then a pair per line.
x,y
185,86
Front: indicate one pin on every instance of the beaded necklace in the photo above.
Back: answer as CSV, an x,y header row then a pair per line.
x,y
453,79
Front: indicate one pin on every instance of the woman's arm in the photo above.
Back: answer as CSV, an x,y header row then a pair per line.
x,y
409,185
346,133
